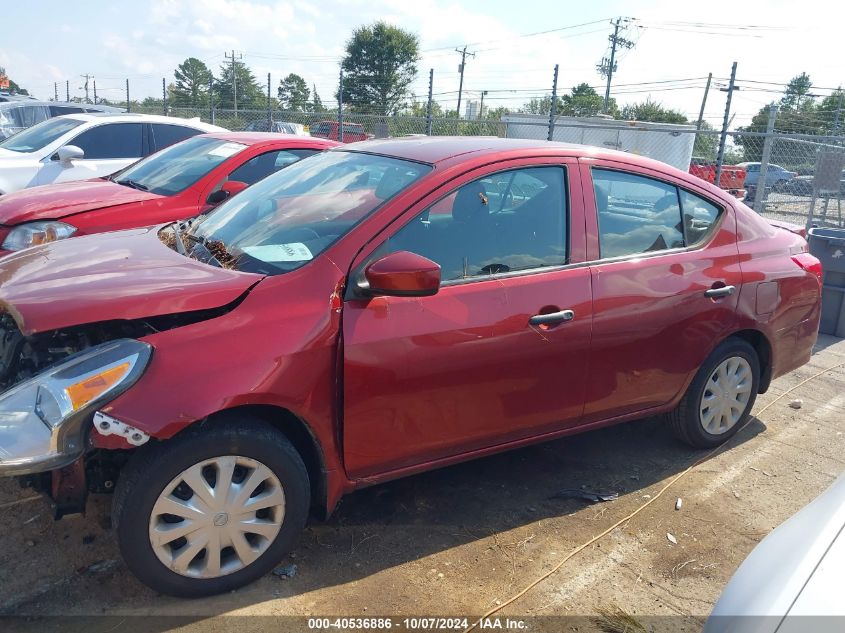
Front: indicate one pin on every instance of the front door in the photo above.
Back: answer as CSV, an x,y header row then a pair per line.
x,y
665,286
500,352
107,148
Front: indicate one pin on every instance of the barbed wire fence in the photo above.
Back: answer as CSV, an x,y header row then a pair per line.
x,y
781,166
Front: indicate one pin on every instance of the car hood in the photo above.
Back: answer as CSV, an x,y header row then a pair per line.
x,y
110,276
51,202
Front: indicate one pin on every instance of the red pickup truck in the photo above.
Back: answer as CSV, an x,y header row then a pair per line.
x,y
329,129
732,178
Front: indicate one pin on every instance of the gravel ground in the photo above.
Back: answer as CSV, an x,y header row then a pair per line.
x,y
464,539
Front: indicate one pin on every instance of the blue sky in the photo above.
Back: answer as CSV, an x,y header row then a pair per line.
x,y
143,40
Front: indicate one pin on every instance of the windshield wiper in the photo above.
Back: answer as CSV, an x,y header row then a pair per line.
x,y
134,184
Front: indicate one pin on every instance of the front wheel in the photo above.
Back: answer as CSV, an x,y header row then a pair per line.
x,y
212,510
720,397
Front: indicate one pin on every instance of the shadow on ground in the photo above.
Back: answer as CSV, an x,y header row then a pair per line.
x,y
391,524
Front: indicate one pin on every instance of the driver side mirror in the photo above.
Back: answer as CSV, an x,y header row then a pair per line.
x,y
229,189
401,274
67,154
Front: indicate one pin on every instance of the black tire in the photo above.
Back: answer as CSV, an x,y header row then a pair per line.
x,y
154,467
779,186
685,420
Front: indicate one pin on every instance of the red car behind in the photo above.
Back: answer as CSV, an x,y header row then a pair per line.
x,y
176,183
352,132
732,178
326,330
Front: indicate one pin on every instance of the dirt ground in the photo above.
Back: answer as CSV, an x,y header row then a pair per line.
x,y
462,540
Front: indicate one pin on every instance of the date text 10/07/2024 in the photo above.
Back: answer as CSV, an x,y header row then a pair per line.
x,y
415,623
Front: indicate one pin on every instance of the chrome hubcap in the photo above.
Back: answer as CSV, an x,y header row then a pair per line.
x,y
726,395
217,517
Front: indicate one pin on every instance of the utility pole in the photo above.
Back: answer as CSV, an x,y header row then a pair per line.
x,y
464,54
55,91
95,92
703,103
211,98
269,109
481,107
87,77
430,95
553,107
127,95
723,137
234,57
163,96
340,107
67,89
608,66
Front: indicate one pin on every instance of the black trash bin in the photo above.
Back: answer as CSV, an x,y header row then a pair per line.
x,y
828,244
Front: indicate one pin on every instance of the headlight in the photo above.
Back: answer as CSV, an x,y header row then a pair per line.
x,y
35,233
42,419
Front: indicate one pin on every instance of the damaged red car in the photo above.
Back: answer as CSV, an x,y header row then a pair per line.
x,y
178,182
374,311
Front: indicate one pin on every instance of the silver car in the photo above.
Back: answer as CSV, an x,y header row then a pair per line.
x,y
18,115
794,580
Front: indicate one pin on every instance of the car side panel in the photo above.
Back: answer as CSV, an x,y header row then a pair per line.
x,y
778,297
270,350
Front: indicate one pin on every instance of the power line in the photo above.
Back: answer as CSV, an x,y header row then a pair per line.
x,y
562,28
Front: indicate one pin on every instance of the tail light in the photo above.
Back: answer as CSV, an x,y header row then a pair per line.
x,y
810,264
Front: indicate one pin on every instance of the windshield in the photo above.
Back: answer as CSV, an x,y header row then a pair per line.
x,y
40,135
179,166
289,218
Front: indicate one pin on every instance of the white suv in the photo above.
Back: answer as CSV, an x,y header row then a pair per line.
x,y
81,146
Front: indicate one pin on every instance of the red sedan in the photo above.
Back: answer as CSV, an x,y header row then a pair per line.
x,y
179,182
374,311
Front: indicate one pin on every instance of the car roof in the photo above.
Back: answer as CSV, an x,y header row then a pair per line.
x,y
254,138
436,149
132,117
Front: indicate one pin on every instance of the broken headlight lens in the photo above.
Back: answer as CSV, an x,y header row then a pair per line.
x,y
35,233
42,419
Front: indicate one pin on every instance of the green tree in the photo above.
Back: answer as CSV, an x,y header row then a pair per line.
x,y
797,88
537,105
250,92
316,102
293,93
379,65
582,101
585,101
651,111
191,87
798,113
13,87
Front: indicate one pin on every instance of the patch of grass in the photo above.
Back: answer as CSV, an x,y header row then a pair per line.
x,y
615,620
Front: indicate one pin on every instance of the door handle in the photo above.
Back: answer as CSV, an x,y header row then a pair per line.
x,y
724,291
553,317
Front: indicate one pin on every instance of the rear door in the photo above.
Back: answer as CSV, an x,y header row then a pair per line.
x,y
665,279
474,365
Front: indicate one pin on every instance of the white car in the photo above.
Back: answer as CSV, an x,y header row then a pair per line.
x,y
82,146
793,581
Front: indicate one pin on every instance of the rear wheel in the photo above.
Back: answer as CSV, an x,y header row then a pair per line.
x,y
213,510
720,397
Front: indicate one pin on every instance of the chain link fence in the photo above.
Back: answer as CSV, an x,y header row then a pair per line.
x,y
777,173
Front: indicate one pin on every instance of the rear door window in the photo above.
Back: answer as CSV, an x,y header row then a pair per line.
x,y
115,140
261,166
165,135
636,214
